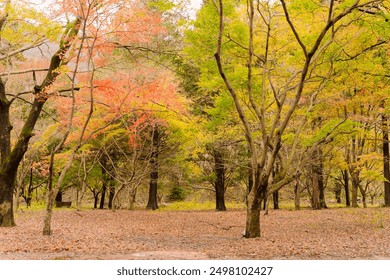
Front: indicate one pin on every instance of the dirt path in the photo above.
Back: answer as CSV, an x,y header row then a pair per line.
x,y
103,234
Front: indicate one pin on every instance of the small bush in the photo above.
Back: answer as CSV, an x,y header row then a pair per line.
x,y
177,193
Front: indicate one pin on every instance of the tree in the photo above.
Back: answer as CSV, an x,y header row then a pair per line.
x,y
286,96
12,155
386,156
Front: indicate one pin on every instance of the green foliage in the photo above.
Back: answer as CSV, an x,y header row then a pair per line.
x,y
161,5
27,26
177,193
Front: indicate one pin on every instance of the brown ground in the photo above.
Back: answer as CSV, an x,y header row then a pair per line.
x,y
103,234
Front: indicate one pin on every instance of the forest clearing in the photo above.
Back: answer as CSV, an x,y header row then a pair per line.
x,y
103,234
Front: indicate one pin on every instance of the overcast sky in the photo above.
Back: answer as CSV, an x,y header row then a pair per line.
x,y
195,4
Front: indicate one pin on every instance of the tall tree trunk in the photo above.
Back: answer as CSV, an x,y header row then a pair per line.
x,y
111,195
10,160
95,200
297,198
103,196
386,161
59,197
354,172
315,196
105,181
337,191
219,184
363,192
275,197
252,228
321,184
132,196
6,200
355,188
315,180
346,188
152,201
81,195
49,199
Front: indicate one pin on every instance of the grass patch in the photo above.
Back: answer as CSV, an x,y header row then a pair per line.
x,y
195,205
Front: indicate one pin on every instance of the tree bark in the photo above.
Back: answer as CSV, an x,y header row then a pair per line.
x,y
152,201
219,184
355,188
95,200
252,228
337,191
297,198
6,200
132,196
102,198
321,184
315,196
111,195
346,188
386,161
275,197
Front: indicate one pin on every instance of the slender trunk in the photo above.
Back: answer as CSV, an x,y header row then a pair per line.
x,y
50,198
152,201
386,161
95,200
315,197
297,198
111,195
104,182
132,196
321,184
364,197
355,188
102,198
275,197
81,196
337,191
219,184
346,188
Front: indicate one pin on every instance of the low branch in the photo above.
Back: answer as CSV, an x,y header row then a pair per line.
x,y
22,49
23,71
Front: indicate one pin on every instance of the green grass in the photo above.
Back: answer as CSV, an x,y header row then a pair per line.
x,y
195,205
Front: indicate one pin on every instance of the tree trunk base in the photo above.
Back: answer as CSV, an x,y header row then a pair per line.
x,y
6,215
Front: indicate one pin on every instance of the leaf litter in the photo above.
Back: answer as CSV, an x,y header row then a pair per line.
x,y
105,234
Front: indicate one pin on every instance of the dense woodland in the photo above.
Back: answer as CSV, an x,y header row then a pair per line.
x,y
127,104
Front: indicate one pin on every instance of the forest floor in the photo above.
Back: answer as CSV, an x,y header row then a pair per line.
x,y
108,235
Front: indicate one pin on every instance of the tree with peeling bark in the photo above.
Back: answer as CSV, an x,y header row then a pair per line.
x,y
270,97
